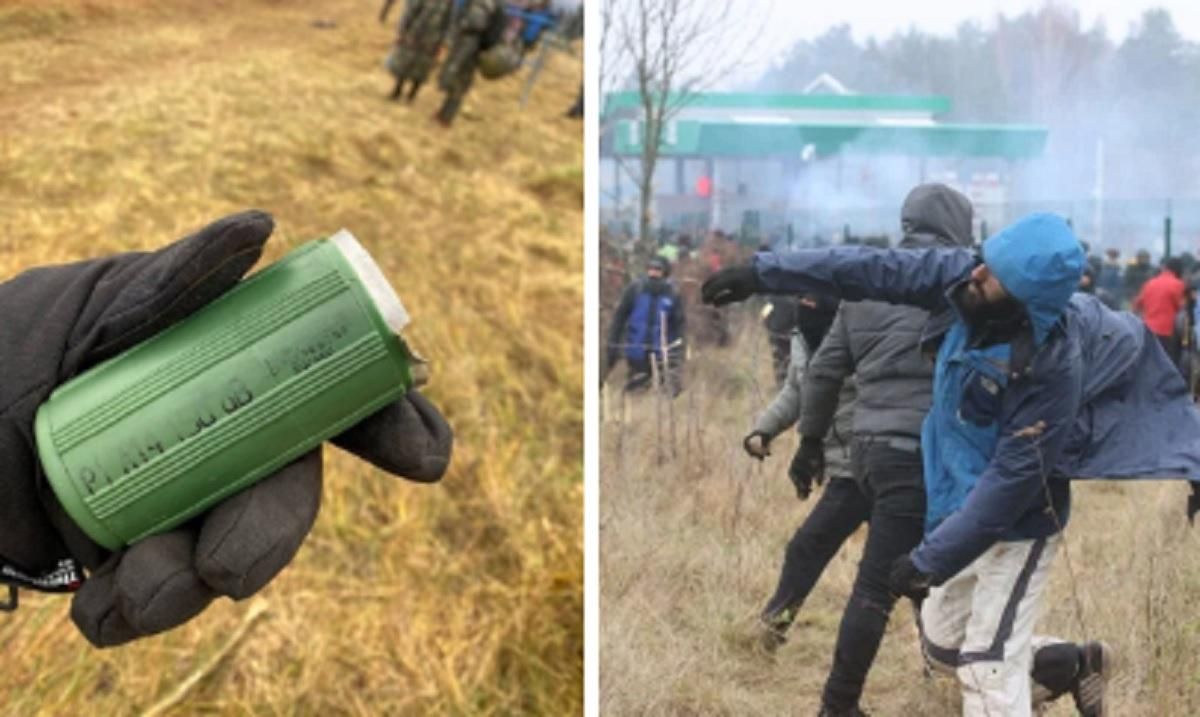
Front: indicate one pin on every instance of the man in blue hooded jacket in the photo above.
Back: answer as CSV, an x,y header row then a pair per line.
x,y
649,326
1033,385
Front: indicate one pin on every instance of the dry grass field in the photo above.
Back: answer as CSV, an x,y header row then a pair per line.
x,y
691,545
126,123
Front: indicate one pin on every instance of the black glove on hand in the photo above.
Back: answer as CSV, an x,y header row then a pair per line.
x,y
763,447
906,580
58,321
1193,503
808,465
737,283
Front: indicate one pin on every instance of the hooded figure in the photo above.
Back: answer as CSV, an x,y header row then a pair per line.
x,y
649,319
1034,385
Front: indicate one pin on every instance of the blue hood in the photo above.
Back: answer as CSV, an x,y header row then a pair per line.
x,y
1039,260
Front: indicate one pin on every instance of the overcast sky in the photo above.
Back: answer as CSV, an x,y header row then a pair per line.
x,y
789,20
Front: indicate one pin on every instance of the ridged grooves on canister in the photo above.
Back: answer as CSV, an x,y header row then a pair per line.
x,y
276,403
175,373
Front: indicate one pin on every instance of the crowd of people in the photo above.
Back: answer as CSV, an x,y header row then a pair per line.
x,y
488,37
946,394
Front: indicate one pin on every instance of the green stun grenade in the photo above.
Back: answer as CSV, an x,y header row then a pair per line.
x,y
290,357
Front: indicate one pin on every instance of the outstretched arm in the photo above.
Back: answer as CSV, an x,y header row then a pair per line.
x,y
917,277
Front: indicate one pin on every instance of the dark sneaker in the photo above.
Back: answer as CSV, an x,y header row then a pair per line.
x,y
770,637
756,638
1095,669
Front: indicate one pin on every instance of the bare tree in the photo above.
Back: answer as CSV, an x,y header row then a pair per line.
x,y
671,50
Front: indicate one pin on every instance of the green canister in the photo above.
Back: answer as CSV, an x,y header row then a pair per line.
x,y
293,355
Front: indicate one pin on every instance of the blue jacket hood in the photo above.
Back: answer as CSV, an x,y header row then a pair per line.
x,y
1039,260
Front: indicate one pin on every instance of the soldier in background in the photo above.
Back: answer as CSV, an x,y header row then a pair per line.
x,y
1137,274
422,30
480,24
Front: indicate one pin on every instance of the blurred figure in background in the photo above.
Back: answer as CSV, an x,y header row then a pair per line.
x,y
780,322
1137,274
648,329
784,317
478,26
1108,284
715,253
836,514
1159,301
1184,337
422,30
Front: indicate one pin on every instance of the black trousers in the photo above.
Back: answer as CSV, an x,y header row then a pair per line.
x,y
888,493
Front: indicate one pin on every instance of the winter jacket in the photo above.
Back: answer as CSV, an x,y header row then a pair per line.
x,y
650,311
1089,393
785,408
879,343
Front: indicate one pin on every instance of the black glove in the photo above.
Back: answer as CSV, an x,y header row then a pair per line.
x,y
766,443
1193,503
58,321
737,283
808,465
907,581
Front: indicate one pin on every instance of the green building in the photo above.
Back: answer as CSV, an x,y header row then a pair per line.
x,y
812,162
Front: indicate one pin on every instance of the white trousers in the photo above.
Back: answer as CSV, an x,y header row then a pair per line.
x,y
979,625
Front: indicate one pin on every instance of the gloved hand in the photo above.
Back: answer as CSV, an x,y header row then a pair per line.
x,y
737,283
56,322
757,445
808,465
907,581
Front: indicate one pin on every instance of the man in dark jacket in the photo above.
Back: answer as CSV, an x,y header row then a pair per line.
x,y
648,326
1034,385
879,345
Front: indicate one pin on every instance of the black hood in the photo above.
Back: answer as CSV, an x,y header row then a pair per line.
x,y
936,215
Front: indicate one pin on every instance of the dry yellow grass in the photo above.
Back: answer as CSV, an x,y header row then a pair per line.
x,y
690,550
124,124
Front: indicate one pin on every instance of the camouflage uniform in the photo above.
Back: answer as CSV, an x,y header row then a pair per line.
x,y
422,30
467,41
